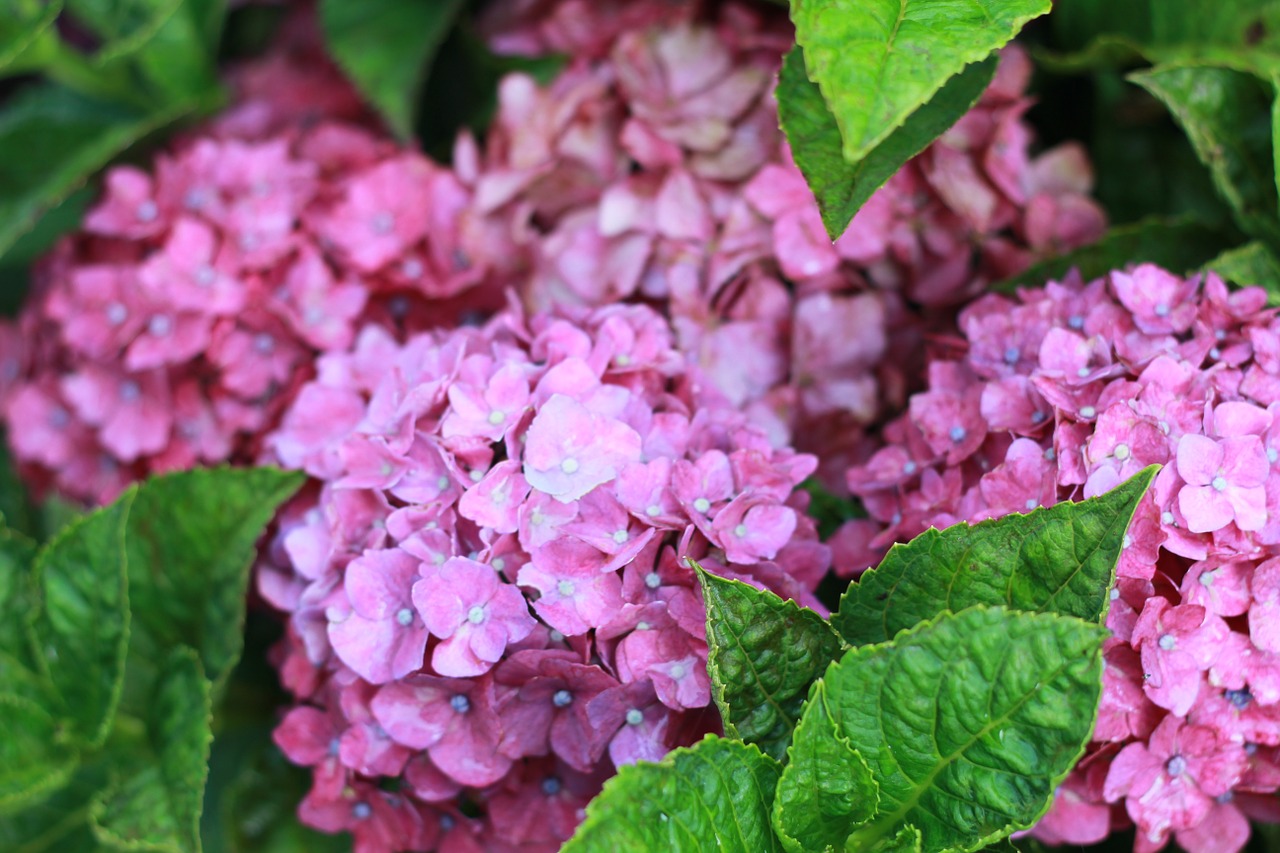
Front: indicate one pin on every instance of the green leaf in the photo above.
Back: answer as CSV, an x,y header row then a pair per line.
x,y
386,47
716,795
60,822
35,759
122,26
826,789
1227,116
1252,263
52,140
176,60
22,22
878,61
81,627
190,541
968,723
841,187
1179,244
763,653
156,804
1059,559
16,593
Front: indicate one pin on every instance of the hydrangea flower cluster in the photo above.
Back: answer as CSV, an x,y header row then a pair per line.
x,y
1060,394
652,168
488,609
172,329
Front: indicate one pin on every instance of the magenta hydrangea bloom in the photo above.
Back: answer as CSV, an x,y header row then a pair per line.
x,y
1103,379
652,168
491,560
175,326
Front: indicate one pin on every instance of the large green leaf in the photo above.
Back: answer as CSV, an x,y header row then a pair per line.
x,y
122,26
155,803
878,61
967,723
716,795
191,538
826,790
35,759
51,140
16,593
59,822
386,47
81,626
1179,244
1059,559
839,186
1252,263
763,653
1226,114
177,61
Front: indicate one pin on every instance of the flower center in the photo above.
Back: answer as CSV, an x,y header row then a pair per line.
x,y
1088,412
460,703
653,509
496,417
1168,642
205,275
565,588
1032,503
569,466
1176,766
1121,452
678,671
130,391
147,211
652,580
476,615
404,616
117,313
957,433
561,698
551,786
1238,698
702,505
1219,483
1011,355
1162,310
264,343
620,536
1076,321
740,531
622,359
361,811
382,223
160,325
635,717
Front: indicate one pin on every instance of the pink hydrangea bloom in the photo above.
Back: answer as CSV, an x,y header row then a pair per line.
x,y
1137,368
492,556
173,330
652,168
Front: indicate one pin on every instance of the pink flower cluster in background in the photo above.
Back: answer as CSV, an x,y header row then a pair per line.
x,y
172,329
486,597
1062,393
652,168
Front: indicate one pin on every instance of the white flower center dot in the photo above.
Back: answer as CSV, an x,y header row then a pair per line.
x,y
678,671
1176,766
635,717
1168,642
622,359
160,325
1162,310
1272,454
702,504
569,466
740,531
620,536
958,433
264,343
1207,578
1032,503
1011,355
442,482
1219,483
1076,321
1121,452
147,211
1082,372
1115,593
498,564
565,588
652,580
475,615
117,313
460,703
653,509
130,391
1166,518
404,616
561,698
909,468
1088,412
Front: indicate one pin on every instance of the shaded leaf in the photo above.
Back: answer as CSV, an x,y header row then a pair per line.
x,y
22,22
716,795
81,627
385,47
825,791
52,140
122,26
841,187
35,759
59,823
1177,244
1227,116
1252,263
877,61
156,803
17,595
763,653
1059,559
191,539
968,723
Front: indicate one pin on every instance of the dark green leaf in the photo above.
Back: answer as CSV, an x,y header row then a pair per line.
x,y
1059,559
841,187
190,542
176,60
825,791
81,627
968,723
35,759
156,803
16,593
122,26
1178,244
60,822
52,140
878,61
1227,116
763,653
386,47
1252,263
716,795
